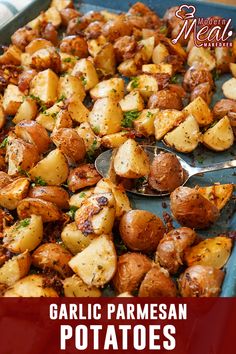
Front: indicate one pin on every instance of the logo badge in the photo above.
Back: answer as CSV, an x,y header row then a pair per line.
x,y
207,32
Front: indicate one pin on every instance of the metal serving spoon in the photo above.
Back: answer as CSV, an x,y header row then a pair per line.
x,y
104,161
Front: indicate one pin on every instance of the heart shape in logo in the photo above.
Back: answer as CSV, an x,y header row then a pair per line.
x,y
185,12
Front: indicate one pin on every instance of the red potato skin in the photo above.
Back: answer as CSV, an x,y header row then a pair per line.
x,y
166,172
201,281
25,79
141,230
75,45
131,269
53,194
157,283
170,251
165,99
37,133
191,209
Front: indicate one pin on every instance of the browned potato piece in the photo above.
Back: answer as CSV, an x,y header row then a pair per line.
x,y
74,45
170,251
46,58
70,143
53,256
13,193
201,281
23,36
131,269
83,176
21,156
49,32
223,57
203,90
125,48
223,107
166,172
117,28
67,15
5,179
25,79
105,60
213,252
141,16
165,99
141,230
47,210
157,283
191,209
37,44
53,194
34,133
218,194
195,76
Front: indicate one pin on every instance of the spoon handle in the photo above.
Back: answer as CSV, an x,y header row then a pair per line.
x,y
215,167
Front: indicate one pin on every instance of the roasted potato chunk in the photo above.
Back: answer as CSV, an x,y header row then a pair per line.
x,y
220,137
113,88
99,117
166,120
47,210
27,111
131,161
131,269
44,86
85,70
105,60
70,144
157,283
54,194
74,239
21,156
12,99
195,76
52,256
191,209
15,269
219,194
71,87
165,99
213,252
114,29
141,230
33,133
34,285
46,58
166,172
83,176
75,45
53,169
24,235
121,200
170,250
75,287
96,215
12,193
201,281
96,264
23,36
185,137
200,111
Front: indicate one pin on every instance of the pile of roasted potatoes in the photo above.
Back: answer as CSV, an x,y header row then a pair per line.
x,y
111,78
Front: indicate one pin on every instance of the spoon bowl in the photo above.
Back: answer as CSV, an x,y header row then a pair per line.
x,y
140,186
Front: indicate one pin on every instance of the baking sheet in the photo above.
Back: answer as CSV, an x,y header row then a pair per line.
x,y
201,156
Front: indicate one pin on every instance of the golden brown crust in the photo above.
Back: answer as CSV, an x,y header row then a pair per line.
x,y
83,176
